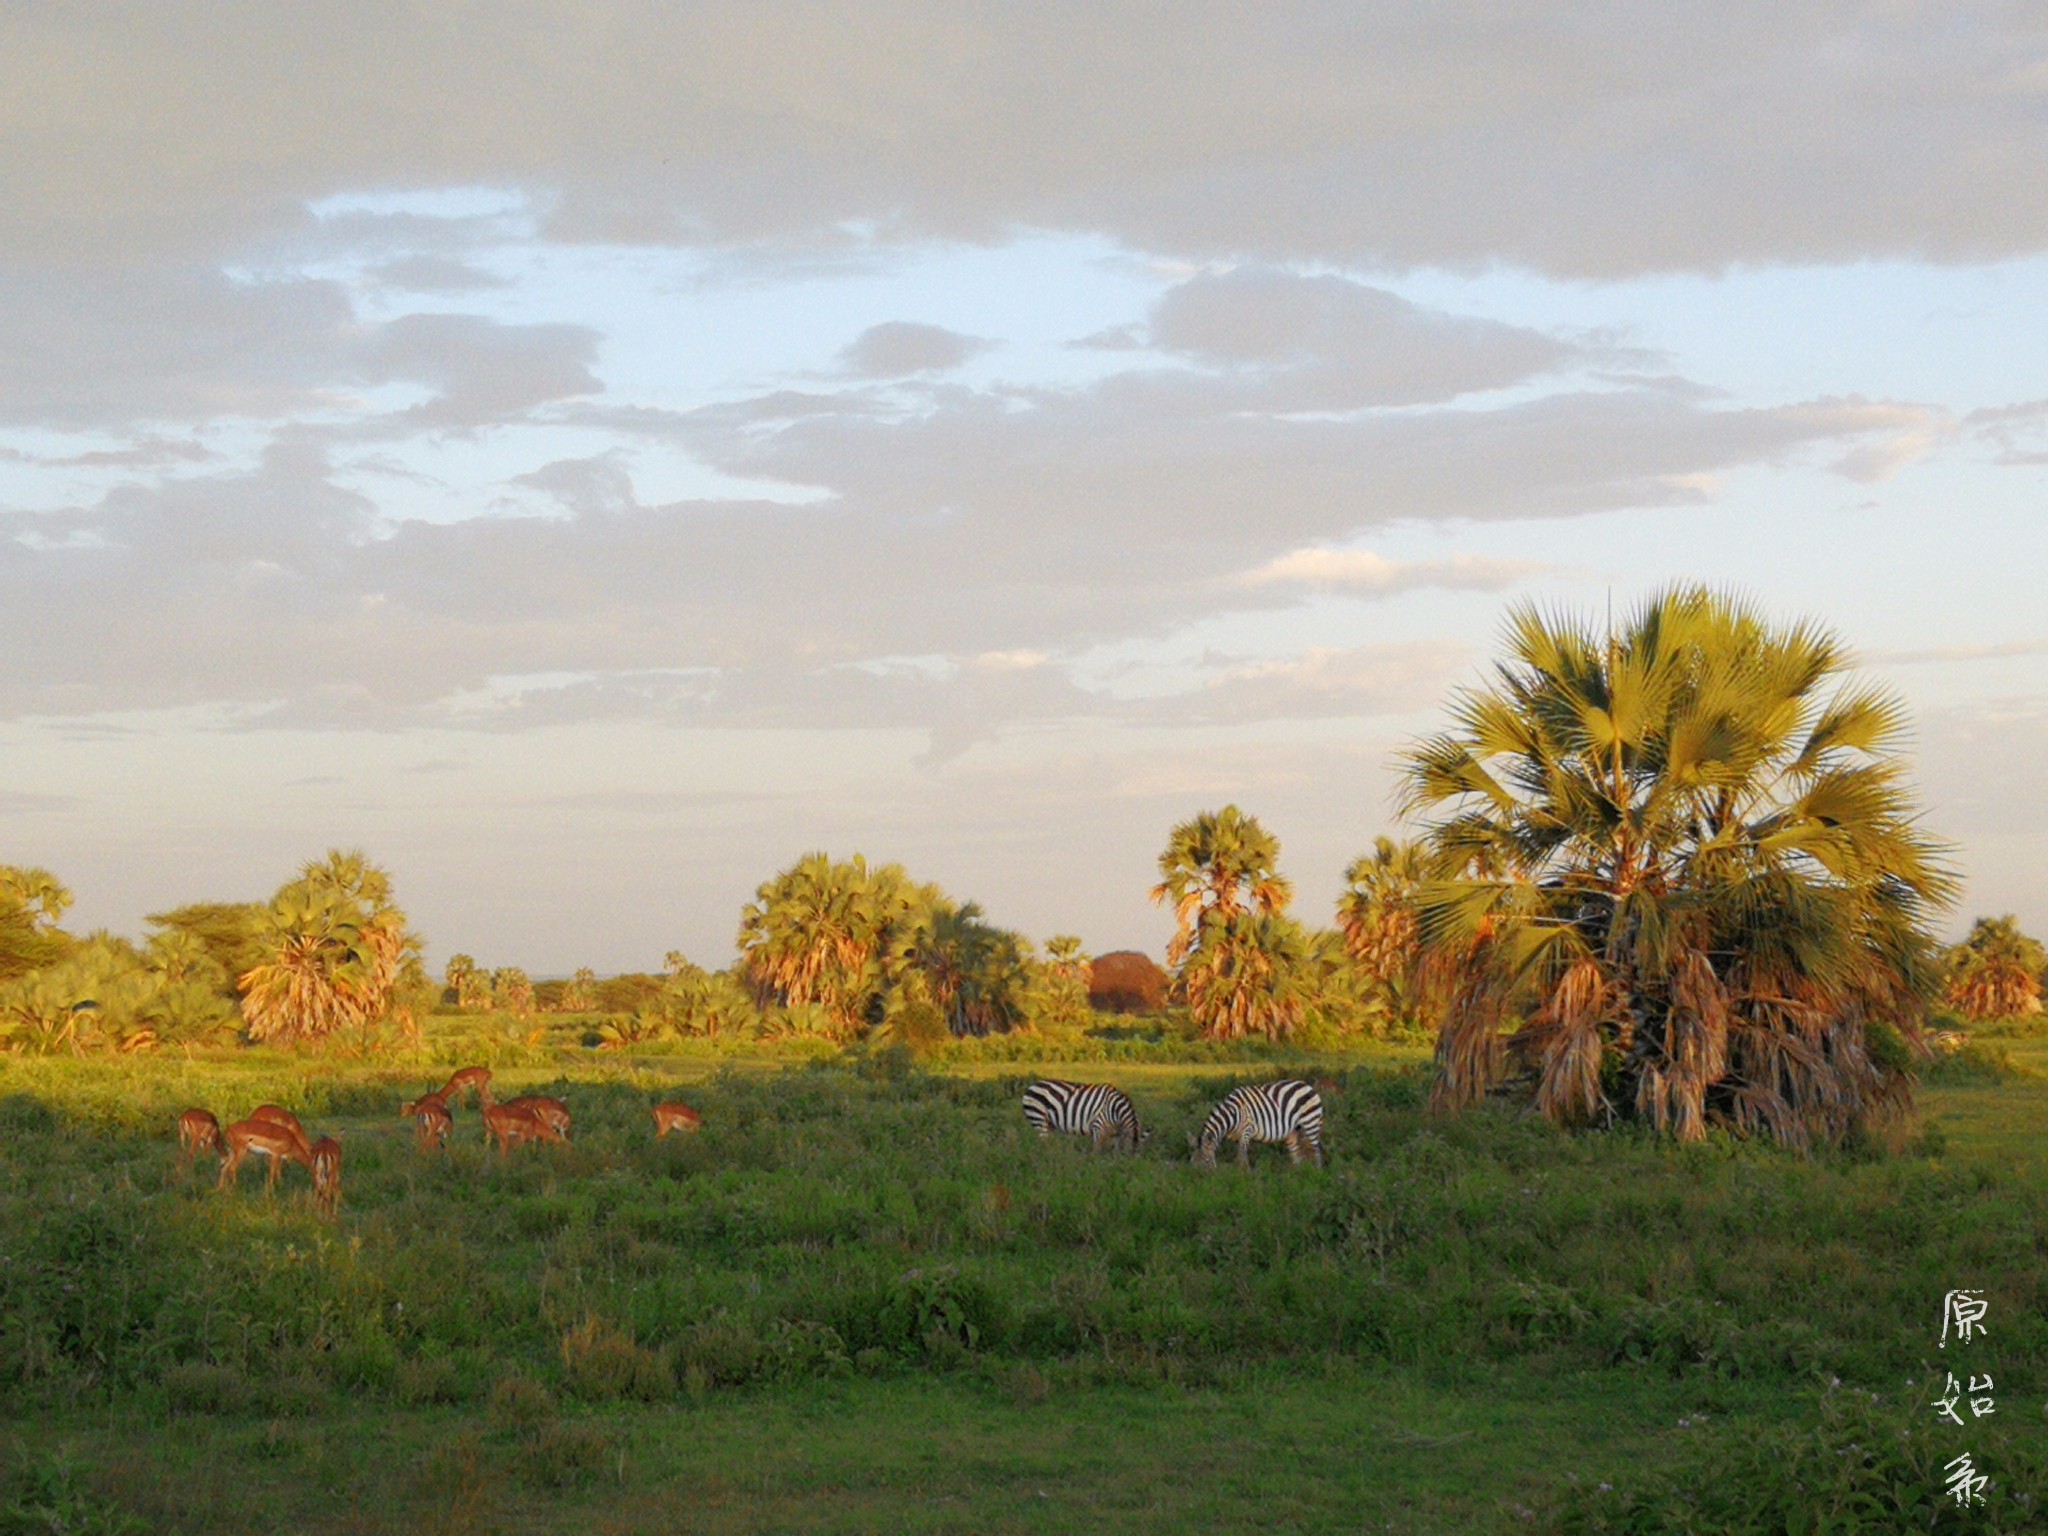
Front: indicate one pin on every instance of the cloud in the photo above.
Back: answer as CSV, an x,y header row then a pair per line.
x,y
1003,529
898,348
426,273
1329,342
1757,133
1360,570
118,349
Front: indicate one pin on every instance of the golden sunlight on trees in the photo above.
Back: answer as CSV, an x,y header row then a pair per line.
x,y
336,946
843,949
1244,964
1679,868
1996,972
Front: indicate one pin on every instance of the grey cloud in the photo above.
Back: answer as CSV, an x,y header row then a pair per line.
x,y
1329,342
1582,139
898,348
983,524
110,348
486,372
96,346
432,274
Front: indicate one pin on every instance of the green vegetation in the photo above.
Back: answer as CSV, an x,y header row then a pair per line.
x,y
1444,1328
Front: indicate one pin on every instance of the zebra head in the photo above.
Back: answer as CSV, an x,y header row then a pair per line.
x,y
1202,1150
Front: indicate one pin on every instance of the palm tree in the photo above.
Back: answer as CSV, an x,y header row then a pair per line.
x,y
336,946
31,902
1241,961
1059,993
1685,853
977,974
1222,862
1996,972
1250,973
827,935
1381,925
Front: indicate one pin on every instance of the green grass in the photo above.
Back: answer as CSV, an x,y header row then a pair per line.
x,y
865,1298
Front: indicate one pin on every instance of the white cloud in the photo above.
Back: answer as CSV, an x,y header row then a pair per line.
x,y
1361,570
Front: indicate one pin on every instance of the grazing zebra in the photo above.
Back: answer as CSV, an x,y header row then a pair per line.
x,y
1095,1110
1291,1112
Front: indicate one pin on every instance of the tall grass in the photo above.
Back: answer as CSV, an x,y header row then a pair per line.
x,y
887,1220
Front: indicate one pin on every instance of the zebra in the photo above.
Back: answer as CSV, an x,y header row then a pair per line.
x,y
1096,1110
1291,1112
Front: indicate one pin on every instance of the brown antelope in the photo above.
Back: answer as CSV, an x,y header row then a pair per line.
x,y
512,1127
553,1112
272,1114
430,1111
478,1078
267,1139
675,1117
325,1164
198,1132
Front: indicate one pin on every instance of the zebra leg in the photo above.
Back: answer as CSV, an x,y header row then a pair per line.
x,y
1244,1147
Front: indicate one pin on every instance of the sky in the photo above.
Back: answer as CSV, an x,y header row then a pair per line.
x,y
588,458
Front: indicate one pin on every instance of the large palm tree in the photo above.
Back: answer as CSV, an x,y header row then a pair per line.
x,y
1684,854
1995,973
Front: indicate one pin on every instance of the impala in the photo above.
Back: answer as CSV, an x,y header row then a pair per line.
x,y
430,1111
266,1139
478,1078
675,1117
273,1114
551,1112
325,1163
198,1132
512,1126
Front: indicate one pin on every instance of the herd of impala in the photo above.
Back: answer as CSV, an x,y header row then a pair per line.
x,y
274,1133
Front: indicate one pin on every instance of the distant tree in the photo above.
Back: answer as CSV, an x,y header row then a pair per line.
x,y
1249,973
511,990
1125,981
977,975
577,995
336,944
1242,960
1996,972
1378,917
31,902
1059,999
1685,856
825,934
1218,864
229,932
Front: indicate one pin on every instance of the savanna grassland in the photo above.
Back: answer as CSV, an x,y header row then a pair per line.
x,y
865,1298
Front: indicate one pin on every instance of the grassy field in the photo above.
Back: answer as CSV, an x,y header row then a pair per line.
x,y
865,1299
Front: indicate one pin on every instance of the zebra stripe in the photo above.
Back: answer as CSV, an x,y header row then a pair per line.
x,y
1095,1110
1291,1112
